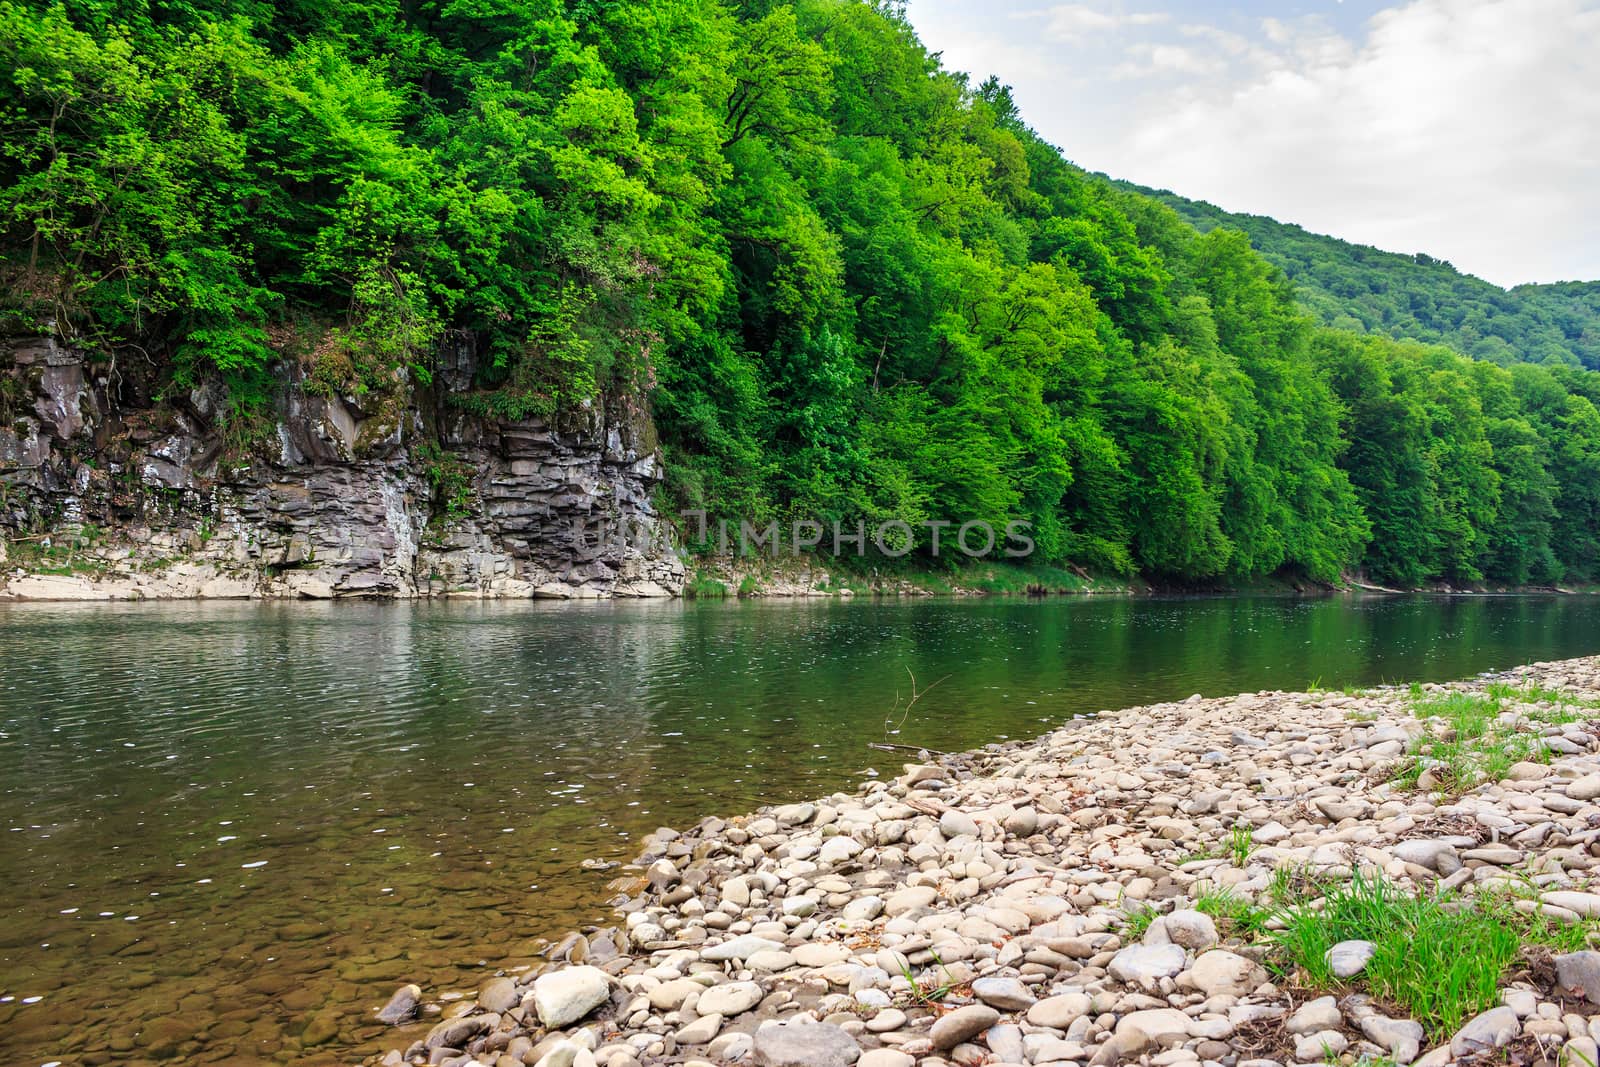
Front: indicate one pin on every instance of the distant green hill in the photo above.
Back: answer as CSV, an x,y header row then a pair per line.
x,y
1357,287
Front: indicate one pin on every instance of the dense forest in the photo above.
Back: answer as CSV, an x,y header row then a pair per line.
x,y
1357,287
854,285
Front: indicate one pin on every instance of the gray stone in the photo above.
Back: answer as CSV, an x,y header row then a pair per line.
x,y
1314,1048
873,997
1160,1026
794,814
1192,929
730,1048
1007,994
402,1007
863,909
455,1033
1005,1041
739,948
1525,1002
565,996
1337,810
910,899
955,823
800,906
498,995
1349,958
1585,788
820,954
1579,973
1440,856
1147,963
1022,823
1059,1012
1492,1029
730,999
562,1053
1402,1038
885,1057
669,996
1314,1015
1579,1052
803,1043
701,1031
886,1020
1220,972
1585,904
963,1024
1126,1045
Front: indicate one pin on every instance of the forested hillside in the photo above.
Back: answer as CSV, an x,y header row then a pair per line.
x,y
853,285
1361,288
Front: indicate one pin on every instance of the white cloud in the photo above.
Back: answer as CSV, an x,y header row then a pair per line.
x,y
1069,22
1469,129
1154,60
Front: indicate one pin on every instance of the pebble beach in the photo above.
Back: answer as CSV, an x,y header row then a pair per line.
x,y
1169,884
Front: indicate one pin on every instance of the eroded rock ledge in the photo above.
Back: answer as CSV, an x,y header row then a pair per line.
x,y
107,492
1056,901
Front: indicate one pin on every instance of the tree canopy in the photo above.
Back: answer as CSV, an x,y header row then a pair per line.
x,y
852,284
1416,297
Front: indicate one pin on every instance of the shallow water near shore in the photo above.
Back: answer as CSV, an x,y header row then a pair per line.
x,y
221,822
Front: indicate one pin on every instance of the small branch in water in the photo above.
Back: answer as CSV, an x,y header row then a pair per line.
x,y
905,748
916,695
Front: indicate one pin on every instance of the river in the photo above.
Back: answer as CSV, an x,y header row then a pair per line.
x,y
222,820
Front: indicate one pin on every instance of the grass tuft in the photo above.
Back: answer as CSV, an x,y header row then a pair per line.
x,y
1441,964
704,587
1473,745
1137,923
1235,916
1442,958
1241,842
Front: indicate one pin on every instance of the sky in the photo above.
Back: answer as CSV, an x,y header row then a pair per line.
x,y
1467,129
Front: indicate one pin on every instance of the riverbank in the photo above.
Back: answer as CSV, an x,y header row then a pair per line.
x,y
1158,885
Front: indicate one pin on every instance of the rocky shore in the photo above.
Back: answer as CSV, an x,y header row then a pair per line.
x,y
110,489
1394,875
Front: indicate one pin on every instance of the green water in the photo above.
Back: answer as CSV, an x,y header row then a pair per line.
x,y
219,821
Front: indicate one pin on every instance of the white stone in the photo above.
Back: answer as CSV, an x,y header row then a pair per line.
x,y
1146,963
739,948
1314,1015
1585,788
730,999
1162,1026
955,823
1007,994
885,1057
863,909
1059,1012
565,996
1192,929
699,1032
1314,1048
1219,972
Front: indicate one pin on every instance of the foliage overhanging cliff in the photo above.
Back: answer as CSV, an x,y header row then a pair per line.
x,y
854,285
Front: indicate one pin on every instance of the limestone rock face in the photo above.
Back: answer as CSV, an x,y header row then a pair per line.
x,y
334,500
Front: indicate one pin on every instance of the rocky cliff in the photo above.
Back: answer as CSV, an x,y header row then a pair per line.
x,y
108,490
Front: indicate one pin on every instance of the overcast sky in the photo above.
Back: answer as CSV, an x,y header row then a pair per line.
x,y
1467,129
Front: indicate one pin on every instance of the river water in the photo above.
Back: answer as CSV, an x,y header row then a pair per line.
x,y
219,822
